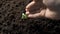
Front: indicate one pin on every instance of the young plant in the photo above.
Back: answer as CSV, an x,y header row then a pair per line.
x,y
24,16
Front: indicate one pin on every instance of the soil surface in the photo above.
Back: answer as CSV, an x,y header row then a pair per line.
x,y
11,22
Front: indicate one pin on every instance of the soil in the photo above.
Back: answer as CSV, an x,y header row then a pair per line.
x,y
11,22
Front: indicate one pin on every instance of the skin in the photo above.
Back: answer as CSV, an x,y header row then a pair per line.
x,y
33,9
44,8
53,9
34,6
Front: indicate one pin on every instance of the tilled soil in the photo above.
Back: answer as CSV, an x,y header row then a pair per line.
x,y
11,22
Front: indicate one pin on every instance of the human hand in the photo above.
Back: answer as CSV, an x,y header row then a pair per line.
x,y
34,9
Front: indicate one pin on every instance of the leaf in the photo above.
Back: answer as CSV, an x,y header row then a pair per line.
x,y
24,16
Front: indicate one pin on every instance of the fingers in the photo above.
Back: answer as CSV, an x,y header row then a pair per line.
x,y
30,6
30,15
33,9
27,12
36,15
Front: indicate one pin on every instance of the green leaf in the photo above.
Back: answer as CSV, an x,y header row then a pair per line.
x,y
24,16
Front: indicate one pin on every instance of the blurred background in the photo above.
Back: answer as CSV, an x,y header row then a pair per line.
x,y
11,22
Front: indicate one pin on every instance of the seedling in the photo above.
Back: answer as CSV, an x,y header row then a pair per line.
x,y
24,16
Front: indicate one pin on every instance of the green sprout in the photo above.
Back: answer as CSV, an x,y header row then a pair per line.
x,y
24,16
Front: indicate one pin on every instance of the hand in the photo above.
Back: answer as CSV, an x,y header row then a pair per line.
x,y
40,13
35,9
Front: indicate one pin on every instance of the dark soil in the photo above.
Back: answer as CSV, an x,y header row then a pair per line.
x,y
11,22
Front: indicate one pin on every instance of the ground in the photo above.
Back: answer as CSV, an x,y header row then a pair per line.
x,y
11,22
